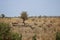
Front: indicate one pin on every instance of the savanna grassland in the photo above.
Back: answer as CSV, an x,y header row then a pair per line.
x,y
44,28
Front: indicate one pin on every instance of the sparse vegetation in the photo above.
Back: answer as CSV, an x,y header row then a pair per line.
x,y
41,27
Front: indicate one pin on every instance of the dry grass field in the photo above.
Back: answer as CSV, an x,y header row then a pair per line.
x,y
43,28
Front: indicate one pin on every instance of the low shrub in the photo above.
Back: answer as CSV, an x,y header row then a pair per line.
x,y
6,34
16,36
58,36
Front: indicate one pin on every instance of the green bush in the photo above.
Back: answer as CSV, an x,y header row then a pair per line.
x,y
16,36
4,31
6,34
58,36
34,37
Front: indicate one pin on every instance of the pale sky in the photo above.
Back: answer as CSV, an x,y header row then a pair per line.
x,y
33,7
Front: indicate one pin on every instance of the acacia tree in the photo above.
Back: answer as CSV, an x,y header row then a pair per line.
x,y
2,15
24,16
39,16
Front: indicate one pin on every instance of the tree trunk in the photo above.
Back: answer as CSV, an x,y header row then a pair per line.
x,y
24,22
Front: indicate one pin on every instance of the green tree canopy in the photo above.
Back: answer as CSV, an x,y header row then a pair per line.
x,y
2,15
24,16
